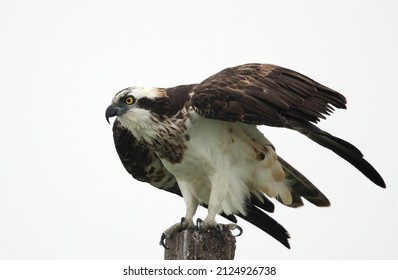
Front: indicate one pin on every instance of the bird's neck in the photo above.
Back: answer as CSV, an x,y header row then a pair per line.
x,y
166,136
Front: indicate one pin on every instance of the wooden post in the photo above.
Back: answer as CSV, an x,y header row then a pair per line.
x,y
203,244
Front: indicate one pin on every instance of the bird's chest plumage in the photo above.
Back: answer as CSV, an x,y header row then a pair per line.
x,y
170,141
202,153
166,136
205,145
220,154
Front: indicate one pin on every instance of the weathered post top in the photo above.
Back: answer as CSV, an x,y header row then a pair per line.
x,y
202,244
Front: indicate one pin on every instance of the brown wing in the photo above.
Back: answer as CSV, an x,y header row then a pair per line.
x,y
140,161
276,96
264,94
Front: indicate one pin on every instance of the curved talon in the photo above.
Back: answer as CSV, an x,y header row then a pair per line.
x,y
162,239
182,222
198,222
240,230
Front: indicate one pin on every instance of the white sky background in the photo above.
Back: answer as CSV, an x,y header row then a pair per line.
x,y
64,193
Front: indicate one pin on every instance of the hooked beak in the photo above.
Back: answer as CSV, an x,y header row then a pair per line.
x,y
111,111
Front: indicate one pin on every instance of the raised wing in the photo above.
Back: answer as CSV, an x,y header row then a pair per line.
x,y
276,96
264,94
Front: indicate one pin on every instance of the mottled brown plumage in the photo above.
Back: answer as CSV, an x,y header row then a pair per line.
x,y
264,94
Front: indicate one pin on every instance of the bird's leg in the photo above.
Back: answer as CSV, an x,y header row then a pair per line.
x,y
217,195
191,204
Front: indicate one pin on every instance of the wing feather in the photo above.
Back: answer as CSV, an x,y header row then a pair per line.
x,y
276,96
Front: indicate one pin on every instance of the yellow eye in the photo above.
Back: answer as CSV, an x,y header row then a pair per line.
x,y
129,100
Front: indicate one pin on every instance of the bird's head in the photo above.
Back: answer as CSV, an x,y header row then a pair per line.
x,y
132,102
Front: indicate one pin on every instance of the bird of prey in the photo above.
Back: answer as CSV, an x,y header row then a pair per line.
x,y
201,141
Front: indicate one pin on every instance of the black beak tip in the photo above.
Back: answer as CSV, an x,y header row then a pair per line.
x,y
111,111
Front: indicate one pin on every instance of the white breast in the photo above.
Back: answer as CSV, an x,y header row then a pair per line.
x,y
233,156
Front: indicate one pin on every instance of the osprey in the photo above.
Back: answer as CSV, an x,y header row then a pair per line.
x,y
201,142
